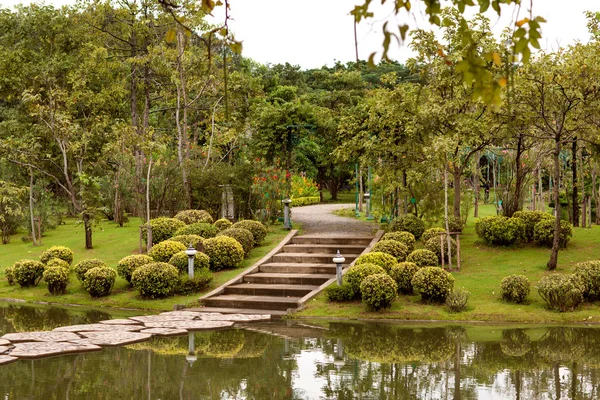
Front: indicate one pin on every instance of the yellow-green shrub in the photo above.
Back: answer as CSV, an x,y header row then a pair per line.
x,y
530,218
394,248
180,261
258,230
57,262
27,272
515,288
423,258
187,239
57,279
543,233
62,252
435,247
589,272
408,223
193,216
243,236
99,281
163,251
384,260
305,201
202,229
357,273
222,224
378,291
163,228
434,284
561,292
9,272
127,265
403,273
155,280
85,265
406,238
224,252
432,233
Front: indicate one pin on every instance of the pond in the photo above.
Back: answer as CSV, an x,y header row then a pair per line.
x,y
312,360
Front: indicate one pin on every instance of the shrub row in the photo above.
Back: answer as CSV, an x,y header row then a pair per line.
x,y
305,201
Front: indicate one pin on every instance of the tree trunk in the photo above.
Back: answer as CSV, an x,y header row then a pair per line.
x,y
575,199
87,224
182,103
456,174
556,242
31,211
476,188
361,190
513,205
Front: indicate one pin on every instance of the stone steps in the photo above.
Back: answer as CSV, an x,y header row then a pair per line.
x,y
261,289
288,279
256,302
323,258
323,248
335,240
299,268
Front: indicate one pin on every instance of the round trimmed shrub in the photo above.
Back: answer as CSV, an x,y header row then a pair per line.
x,y
392,247
224,252
403,273
187,239
193,216
163,251
180,261
457,300
543,233
423,258
258,230
500,230
435,247
127,265
222,224
202,229
57,279
57,262
62,252
434,284
432,233
27,272
530,218
357,273
561,292
339,294
589,272
83,266
515,288
408,223
9,272
163,228
384,260
202,278
155,280
99,281
243,236
378,291
406,238
455,224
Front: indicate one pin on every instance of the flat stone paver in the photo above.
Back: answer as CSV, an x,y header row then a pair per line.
x,y
51,336
163,318
32,350
114,338
4,349
119,322
99,328
319,220
165,331
184,314
7,360
190,325
4,342
234,317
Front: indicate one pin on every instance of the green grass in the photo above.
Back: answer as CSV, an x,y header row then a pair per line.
x,y
111,243
482,269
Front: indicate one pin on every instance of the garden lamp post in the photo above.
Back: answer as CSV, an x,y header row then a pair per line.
x,y
368,200
287,222
338,260
191,253
191,356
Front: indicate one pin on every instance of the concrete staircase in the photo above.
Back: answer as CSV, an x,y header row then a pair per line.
x,y
297,270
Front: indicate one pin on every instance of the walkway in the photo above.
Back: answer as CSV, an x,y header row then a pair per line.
x,y
319,220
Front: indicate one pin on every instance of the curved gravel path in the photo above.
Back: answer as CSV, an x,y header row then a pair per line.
x,y
319,220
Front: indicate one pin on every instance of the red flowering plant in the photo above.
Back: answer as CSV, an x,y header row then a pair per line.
x,y
269,188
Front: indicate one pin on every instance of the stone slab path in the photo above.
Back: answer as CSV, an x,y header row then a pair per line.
x,y
319,220
118,332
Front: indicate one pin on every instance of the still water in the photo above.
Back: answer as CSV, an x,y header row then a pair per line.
x,y
302,360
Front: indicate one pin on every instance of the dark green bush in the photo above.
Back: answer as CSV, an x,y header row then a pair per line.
x,y
434,284
222,224
57,262
423,258
163,251
62,252
243,236
457,300
455,224
515,288
9,272
406,238
258,230
200,228
432,233
180,261
589,272
357,273
394,248
561,292
543,233
185,240
189,217
57,279
403,273
163,228
85,265
224,252
378,291
499,230
155,280
530,218
435,247
338,294
202,278
27,272
384,260
409,223
99,281
127,265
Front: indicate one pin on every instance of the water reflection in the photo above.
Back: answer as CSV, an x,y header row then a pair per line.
x,y
325,360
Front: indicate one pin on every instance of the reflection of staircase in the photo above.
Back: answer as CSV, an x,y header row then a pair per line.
x,y
297,270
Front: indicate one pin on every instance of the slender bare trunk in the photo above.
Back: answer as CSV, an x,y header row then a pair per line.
x,y
556,242
575,199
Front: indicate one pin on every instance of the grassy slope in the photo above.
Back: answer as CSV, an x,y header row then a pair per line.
x,y
111,243
483,268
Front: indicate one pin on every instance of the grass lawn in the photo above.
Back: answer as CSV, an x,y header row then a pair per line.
x,y
482,269
111,243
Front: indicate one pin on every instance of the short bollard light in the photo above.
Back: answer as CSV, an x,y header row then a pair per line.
x,y
368,201
191,253
287,222
338,260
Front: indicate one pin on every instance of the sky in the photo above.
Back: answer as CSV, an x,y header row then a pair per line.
x,y
313,33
